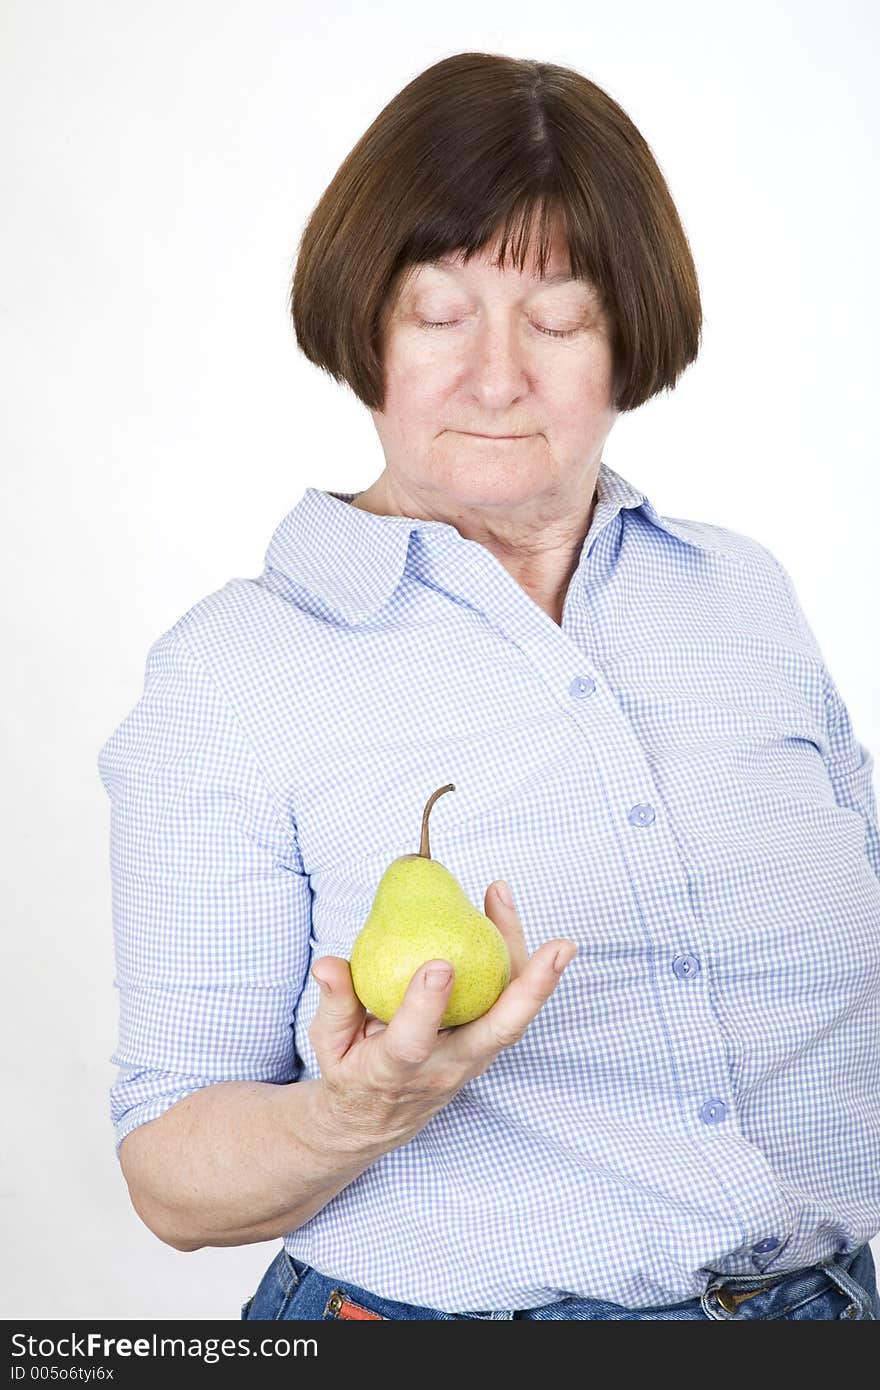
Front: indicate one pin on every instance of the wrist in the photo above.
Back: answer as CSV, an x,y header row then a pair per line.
x,y
339,1131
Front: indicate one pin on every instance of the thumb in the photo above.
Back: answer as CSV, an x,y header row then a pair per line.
x,y
505,917
340,1014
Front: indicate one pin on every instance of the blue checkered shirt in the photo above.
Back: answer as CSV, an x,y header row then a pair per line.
x,y
669,778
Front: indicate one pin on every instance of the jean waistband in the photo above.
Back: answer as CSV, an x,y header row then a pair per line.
x,y
741,1282
727,1292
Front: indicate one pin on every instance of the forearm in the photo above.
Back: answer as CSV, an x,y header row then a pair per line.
x,y
240,1162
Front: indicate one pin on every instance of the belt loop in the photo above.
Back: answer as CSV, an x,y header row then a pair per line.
x,y
860,1300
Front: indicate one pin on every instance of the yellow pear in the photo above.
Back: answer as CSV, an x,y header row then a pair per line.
x,y
420,912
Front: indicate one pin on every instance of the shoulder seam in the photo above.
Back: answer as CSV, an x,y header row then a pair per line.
x,y
718,547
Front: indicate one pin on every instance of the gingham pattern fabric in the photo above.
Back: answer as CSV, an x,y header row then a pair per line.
x,y
670,779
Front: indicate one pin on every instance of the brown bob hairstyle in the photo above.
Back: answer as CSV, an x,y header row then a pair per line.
x,y
476,145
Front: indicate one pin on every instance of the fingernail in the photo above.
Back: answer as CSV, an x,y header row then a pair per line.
x,y
505,894
437,979
562,959
323,983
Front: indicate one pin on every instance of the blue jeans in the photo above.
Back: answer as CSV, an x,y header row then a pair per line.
x,y
844,1286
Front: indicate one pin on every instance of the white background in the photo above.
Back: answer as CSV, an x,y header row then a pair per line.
x,y
158,164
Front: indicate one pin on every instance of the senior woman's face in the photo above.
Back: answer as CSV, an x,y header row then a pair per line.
x,y
501,413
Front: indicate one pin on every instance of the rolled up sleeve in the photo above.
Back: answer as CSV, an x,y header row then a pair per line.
x,y
211,906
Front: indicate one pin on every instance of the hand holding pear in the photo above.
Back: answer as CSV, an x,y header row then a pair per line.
x,y
382,1082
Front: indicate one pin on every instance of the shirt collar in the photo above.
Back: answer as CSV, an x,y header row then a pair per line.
x,y
353,560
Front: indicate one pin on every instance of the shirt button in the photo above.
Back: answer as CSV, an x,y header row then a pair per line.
x,y
712,1111
582,685
764,1247
641,815
685,967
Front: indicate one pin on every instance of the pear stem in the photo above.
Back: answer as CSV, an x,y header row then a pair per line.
x,y
425,849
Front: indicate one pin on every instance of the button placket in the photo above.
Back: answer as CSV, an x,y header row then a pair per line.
x,y
657,872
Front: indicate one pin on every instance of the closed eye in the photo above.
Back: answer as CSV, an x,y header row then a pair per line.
x,y
551,332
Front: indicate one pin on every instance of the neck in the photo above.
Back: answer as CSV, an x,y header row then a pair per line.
x,y
541,553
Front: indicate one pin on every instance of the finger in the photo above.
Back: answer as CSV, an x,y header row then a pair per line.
x,y
411,1035
507,921
516,1006
339,1015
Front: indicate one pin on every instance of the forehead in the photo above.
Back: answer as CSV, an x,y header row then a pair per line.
x,y
557,273
450,269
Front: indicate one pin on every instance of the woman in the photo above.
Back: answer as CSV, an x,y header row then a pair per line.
x,y
643,741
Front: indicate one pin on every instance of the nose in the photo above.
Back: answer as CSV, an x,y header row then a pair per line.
x,y
496,365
